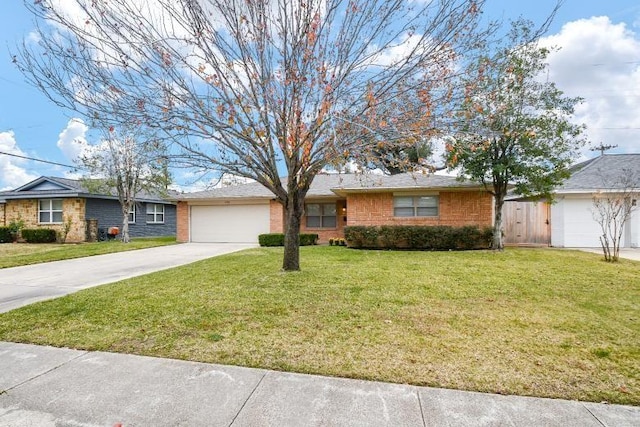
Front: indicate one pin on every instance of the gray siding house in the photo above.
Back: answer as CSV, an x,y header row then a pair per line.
x,y
52,202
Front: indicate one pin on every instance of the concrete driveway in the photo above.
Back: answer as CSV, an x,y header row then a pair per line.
x,y
626,253
20,286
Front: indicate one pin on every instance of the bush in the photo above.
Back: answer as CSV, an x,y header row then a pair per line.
x,y
419,237
359,236
39,235
308,239
277,239
5,235
271,239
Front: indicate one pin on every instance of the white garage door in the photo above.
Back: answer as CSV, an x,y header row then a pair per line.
x,y
229,223
572,224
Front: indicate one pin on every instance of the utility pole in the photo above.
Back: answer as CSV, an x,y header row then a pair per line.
x,y
602,148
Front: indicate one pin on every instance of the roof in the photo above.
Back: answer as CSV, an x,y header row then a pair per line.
x,y
332,185
602,173
56,187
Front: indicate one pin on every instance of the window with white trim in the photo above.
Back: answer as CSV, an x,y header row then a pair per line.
x,y
50,211
409,206
155,213
321,215
132,214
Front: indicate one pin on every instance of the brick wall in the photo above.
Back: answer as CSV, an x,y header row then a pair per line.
x,y
182,222
466,208
27,210
276,217
371,209
3,208
456,209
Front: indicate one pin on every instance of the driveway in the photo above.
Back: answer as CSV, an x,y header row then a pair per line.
x,y
20,286
626,253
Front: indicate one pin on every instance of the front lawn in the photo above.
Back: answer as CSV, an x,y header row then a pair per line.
x,y
17,254
538,322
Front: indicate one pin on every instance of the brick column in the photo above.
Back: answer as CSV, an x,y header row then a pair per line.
x,y
182,222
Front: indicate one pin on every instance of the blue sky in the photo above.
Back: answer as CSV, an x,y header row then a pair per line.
x,y
599,60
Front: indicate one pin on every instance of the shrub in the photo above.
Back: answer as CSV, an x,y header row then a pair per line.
x,y
418,237
271,239
277,239
16,225
39,235
308,239
5,235
359,236
66,228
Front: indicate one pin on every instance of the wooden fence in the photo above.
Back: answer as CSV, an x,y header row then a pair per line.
x,y
527,223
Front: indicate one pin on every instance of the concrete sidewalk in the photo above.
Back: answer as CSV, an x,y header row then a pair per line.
x,y
46,386
20,286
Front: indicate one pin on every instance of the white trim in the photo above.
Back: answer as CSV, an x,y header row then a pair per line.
x,y
132,211
155,212
51,211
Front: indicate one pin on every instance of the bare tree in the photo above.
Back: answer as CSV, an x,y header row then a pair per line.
x,y
126,164
254,88
612,209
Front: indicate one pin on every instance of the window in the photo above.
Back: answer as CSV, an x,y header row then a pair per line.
x,y
407,206
132,214
321,215
155,213
50,211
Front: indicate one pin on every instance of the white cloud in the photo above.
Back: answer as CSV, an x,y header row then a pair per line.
x,y
598,61
13,173
33,37
395,53
72,141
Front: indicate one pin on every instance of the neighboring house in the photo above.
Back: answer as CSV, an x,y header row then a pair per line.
x,y
240,213
47,202
572,222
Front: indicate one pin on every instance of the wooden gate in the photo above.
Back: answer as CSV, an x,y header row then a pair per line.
x,y
527,223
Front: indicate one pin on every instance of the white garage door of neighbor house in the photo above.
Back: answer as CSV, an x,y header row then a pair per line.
x,y
229,223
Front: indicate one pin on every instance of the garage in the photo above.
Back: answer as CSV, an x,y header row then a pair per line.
x,y
229,223
573,224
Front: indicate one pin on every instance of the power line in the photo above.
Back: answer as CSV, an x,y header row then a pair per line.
x,y
39,160
620,128
600,64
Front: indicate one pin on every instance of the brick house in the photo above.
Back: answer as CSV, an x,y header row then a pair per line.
x,y
47,202
240,213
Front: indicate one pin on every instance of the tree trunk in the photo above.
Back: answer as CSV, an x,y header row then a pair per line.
x,y
293,216
124,233
497,242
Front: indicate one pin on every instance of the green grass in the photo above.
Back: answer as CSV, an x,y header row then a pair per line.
x,y
17,254
539,322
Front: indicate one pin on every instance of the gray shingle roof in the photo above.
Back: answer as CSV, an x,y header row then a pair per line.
x,y
404,181
330,185
602,172
70,188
